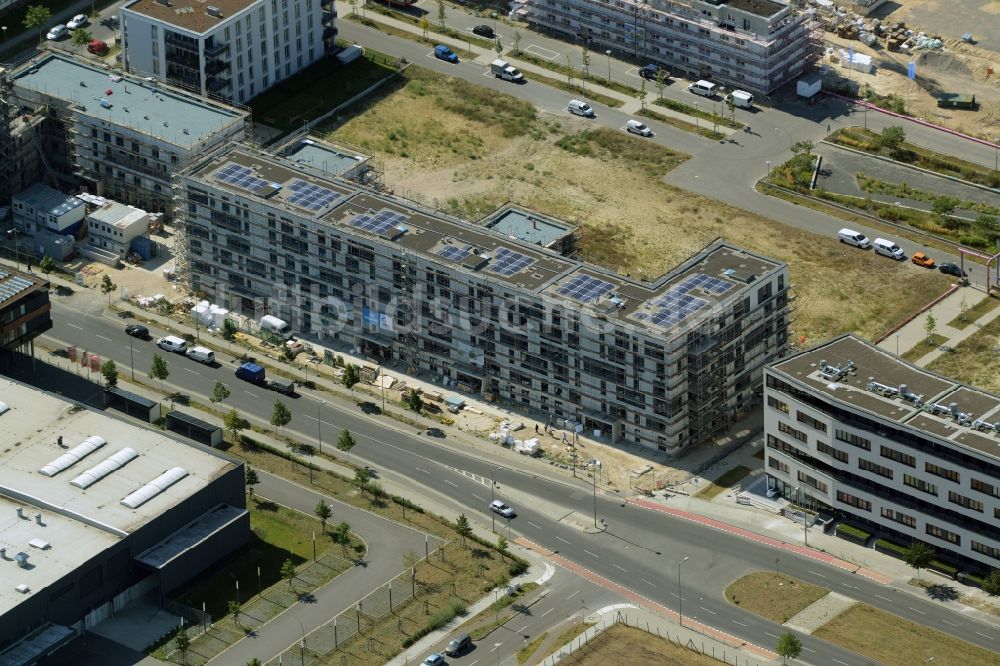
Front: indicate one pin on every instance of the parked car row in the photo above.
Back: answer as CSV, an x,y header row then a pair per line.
x,y
887,248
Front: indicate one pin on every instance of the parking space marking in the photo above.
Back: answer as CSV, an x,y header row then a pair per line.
x,y
538,48
633,71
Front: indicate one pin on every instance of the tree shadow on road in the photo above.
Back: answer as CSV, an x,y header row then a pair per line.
x,y
942,592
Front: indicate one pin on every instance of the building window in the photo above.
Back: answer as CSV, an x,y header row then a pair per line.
x,y
810,421
777,404
989,551
943,472
774,463
853,440
869,466
785,447
856,502
899,456
814,482
964,501
899,517
919,484
823,447
983,487
789,430
944,534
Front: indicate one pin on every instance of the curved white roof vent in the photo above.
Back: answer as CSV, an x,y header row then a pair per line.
x,y
153,488
73,456
105,467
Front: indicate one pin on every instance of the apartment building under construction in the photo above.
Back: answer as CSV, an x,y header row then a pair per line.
x,y
754,45
492,307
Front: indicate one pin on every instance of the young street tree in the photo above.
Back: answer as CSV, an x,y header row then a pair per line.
x,y
110,372
502,546
803,147
498,47
323,512
919,556
107,286
351,376
991,584
361,478
342,535
251,480
930,326
81,37
441,13
789,647
517,43
219,392
661,81
423,23
345,443
159,369
47,264
235,424
414,402
229,329
36,17
643,94
288,572
234,610
585,59
463,527
281,416
892,137
183,643
410,560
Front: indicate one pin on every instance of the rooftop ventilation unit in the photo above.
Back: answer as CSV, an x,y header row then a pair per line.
x,y
22,560
835,372
4,407
73,456
165,3
153,488
905,394
213,11
105,467
881,389
40,544
22,588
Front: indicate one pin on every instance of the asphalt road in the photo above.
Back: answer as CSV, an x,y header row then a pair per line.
x,y
639,550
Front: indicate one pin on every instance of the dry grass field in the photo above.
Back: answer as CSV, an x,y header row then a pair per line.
x,y
468,150
774,596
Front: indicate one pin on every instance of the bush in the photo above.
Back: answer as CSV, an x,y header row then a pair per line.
x,y
943,567
442,617
402,501
893,548
851,530
517,567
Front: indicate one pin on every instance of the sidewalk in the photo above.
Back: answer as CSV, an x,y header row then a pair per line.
x,y
914,332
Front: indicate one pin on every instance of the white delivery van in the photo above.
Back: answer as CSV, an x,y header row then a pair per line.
x,y
580,108
172,343
275,326
740,98
201,354
888,249
855,238
703,88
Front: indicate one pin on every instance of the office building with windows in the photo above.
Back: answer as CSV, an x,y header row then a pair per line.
x,y
123,137
854,430
491,307
754,45
25,313
231,49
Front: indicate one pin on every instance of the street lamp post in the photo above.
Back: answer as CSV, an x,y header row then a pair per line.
x,y
897,344
608,53
131,357
493,15
680,594
496,646
596,467
319,425
767,174
4,28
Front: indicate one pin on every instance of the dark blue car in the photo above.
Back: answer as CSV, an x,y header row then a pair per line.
x,y
442,52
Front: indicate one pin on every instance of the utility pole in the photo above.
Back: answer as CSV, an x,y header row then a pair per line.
x,y
595,470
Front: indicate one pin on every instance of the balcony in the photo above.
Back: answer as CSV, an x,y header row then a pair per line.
x,y
216,49
180,42
217,83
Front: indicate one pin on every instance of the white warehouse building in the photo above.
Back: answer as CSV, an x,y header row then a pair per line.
x,y
232,49
856,431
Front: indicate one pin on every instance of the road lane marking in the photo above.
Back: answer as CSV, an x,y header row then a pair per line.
x,y
521,630
808,649
739,623
984,635
883,598
916,611
620,568
80,328
563,540
481,499
534,525
572,595
193,372
841,662
253,394
850,586
421,469
816,574
648,582
708,610
951,623
547,612
674,594
450,483
103,338
771,635
589,553
496,647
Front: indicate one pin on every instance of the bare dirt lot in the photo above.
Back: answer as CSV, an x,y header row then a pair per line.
x,y
469,150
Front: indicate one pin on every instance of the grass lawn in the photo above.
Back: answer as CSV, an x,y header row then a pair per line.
x,y
724,482
985,306
530,648
627,645
774,596
315,90
468,150
894,641
924,347
487,619
570,633
974,359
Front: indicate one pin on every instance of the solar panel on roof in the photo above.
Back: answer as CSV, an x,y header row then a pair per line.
x,y
242,176
310,196
585,288
709,283
508,262
454,252
380,223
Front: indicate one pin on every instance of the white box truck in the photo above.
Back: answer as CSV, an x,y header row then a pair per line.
x,y
502,70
